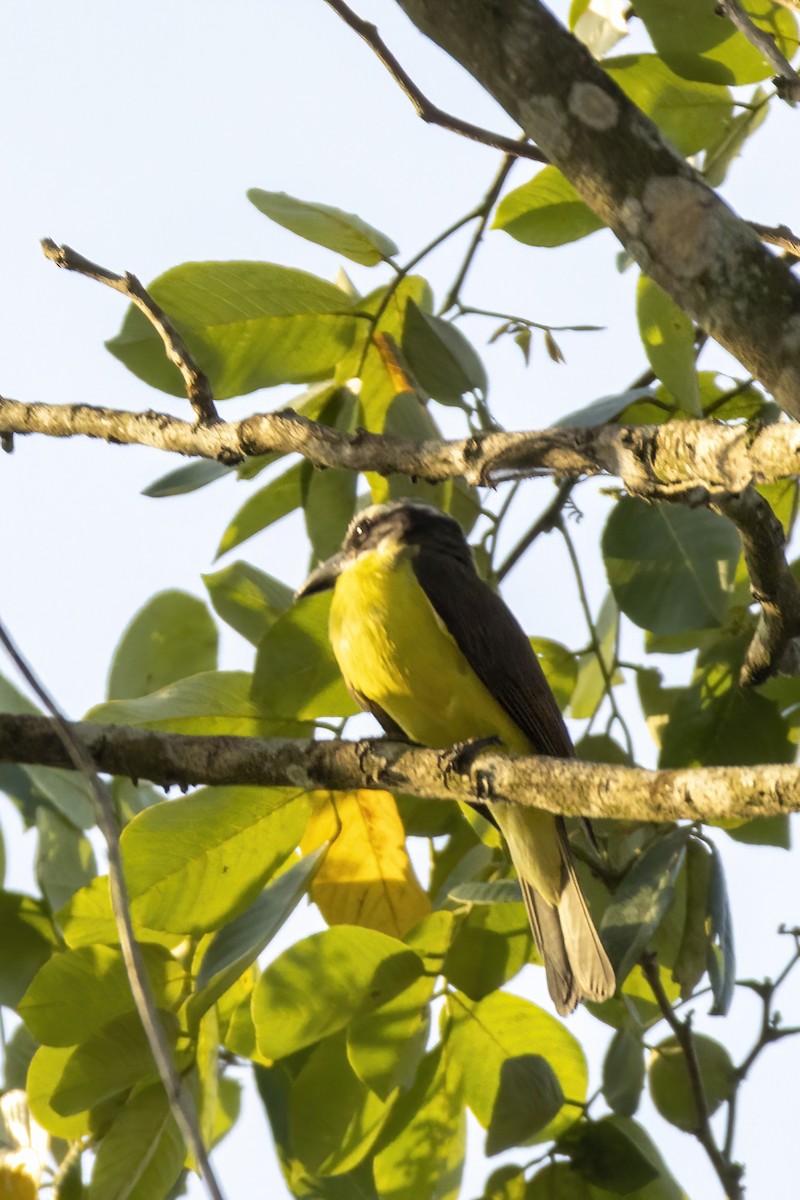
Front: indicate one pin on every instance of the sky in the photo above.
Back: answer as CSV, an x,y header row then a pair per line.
x,y
132,133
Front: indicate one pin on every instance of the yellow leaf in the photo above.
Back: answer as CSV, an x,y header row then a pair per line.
x,y
366,877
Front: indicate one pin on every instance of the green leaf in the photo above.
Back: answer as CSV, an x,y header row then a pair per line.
x,y
275,500
499,891
111,1060
171,637
234,947
668,338
670,1082
691,114
692,957
698,44
560,667
64,858
623,1072
714,722
501,1026
248,600
45,1071
590,687
763,831
249,325
422,1151
191,478
492,943
600,748
546,211
76,992
194,863
443,362
329,501
605,409
642,899
339,231
606,1157
296,676
670,568
385,1047
334,1118
142,1154
722,957
67,791
558,1181
87,919
528,1097
217,702
28,941
318,985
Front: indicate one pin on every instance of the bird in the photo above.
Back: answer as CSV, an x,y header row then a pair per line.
x,y
427,647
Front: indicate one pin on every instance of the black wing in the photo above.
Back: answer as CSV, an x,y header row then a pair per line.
x,y
495,646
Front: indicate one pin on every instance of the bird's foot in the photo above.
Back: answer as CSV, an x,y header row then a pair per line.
x,y
460,758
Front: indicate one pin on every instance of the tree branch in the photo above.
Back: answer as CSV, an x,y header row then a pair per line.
x,y
787,83
678,230
430,112
564,786
198,388
678,457
67,738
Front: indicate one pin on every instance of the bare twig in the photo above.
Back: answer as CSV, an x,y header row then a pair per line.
x,y
787,82
431,113
778,235
80,758
545,523
728,1173
566,786
198,389
485,211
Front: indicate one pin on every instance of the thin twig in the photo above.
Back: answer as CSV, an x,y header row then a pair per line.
x,y
451,299
778,235
544,523
729,1174
787,82
466,310
608,683
198,388
180,1101
431,113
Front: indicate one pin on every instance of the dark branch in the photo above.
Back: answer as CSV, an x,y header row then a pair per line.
x,y
198,389
559,785
431,113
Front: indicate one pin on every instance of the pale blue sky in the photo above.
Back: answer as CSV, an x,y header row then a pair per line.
x,y
132,133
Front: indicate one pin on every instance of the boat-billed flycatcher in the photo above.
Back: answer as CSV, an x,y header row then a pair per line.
x,y
426,646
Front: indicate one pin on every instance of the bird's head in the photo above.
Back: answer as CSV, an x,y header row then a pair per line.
x,y
385,528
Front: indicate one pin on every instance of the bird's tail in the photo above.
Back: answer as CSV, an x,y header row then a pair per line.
x,y
575,962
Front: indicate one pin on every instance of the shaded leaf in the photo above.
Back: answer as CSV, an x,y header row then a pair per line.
x,y
590,687
271,503
641,900
334,1118
670,1082
528,1097
296,676
605,1156
238,944
422,1152
248,600
671,568
442,360
343,232
492,943
623,1072
501,1026
141,1156
606,408
64,857
722,957
28,941
171,637
319,984
384,1047
191,478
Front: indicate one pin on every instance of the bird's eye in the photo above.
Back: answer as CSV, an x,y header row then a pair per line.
x,y
360,532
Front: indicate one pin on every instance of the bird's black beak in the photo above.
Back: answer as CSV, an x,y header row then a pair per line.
x,y
322,577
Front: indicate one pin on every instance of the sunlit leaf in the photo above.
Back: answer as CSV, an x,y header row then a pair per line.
x,y
668,338
670,1082
343,232
142,1154
691,114
249,600
546,211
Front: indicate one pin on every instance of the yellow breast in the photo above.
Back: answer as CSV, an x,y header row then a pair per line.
x,y
394,650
